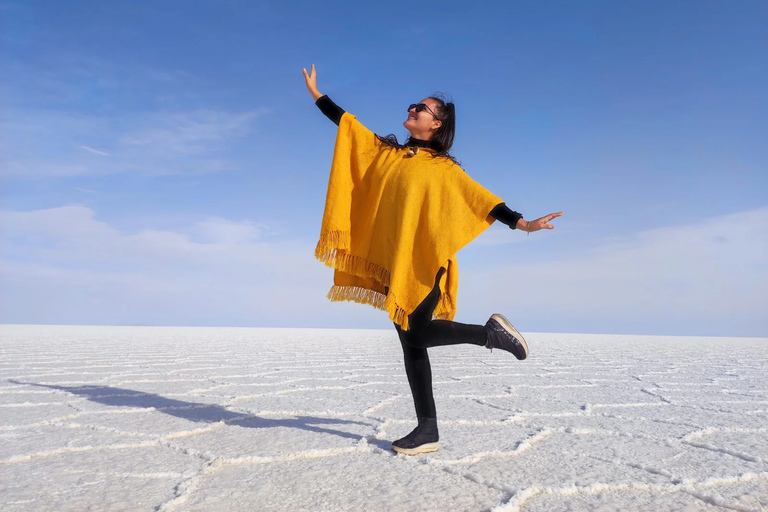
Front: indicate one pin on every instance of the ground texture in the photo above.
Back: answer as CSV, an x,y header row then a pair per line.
x,y
183,419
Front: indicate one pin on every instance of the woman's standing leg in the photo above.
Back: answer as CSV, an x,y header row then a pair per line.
x,y
424,438
419,373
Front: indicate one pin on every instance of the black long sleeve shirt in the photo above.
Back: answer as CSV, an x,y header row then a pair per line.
x,y
500,212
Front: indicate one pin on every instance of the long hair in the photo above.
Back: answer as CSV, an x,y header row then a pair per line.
x,y
442,141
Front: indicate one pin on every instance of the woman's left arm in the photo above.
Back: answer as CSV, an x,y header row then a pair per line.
x,y
503,214
514,220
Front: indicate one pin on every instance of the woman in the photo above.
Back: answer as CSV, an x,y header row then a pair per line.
x,y
395,216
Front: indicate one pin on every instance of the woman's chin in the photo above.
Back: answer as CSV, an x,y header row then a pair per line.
x,y
408,126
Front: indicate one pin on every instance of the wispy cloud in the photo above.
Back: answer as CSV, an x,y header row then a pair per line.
x,y
40,144
190,133
94,151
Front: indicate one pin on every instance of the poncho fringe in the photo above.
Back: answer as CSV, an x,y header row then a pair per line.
x,y
385,302
330,250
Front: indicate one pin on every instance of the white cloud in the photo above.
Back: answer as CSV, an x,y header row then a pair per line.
x,y
72,233
685,278
64,223
64,265
227,232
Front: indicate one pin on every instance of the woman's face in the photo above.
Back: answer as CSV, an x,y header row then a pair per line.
x,y
424,124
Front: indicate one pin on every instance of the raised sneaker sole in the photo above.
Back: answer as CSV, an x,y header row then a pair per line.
x,y
509,327
425,448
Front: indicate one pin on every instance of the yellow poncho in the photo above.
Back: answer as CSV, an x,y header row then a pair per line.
x,y
392,220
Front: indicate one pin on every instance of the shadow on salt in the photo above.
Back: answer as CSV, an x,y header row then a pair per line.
x,y
198,412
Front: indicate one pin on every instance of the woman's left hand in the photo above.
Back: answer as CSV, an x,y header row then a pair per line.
x,y
540,223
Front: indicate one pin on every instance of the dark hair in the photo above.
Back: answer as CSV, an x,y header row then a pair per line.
x,y
442,141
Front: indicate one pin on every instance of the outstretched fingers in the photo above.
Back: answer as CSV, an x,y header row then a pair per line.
x,y
548,218
311,77
543,222
552,216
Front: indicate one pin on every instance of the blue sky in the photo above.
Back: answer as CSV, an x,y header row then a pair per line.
x,y
163,163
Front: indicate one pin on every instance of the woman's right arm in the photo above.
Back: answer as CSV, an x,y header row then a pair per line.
x,y
331,110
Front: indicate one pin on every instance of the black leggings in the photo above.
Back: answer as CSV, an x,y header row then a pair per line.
x,y
425,333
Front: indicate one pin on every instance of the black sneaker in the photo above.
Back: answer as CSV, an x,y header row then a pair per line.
x,y
501,334
423,439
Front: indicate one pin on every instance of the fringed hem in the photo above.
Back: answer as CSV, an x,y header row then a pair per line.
x,y
396,313
331,250
331,240
357,294
372,298
444,309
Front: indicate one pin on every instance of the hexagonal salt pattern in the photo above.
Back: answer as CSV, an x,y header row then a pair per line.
x,y
188,419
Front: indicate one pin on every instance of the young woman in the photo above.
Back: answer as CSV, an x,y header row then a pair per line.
x,y
395,216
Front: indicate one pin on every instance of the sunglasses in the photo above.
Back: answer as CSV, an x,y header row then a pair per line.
x,y
420,107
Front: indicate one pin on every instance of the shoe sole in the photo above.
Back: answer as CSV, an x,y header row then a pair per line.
x,y
425,448
509,327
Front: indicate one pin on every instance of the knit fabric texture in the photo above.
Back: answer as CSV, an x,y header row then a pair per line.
x,y
392,219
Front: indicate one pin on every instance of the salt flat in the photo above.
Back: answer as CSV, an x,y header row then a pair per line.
x,y
192,419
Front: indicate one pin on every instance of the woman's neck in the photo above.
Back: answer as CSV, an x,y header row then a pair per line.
x,y
420,143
